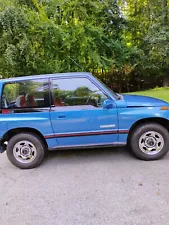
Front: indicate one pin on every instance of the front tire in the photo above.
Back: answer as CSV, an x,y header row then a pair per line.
x,y
25,150
149,141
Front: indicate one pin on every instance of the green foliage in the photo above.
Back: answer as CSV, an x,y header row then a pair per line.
x,y
116,40
148,30
157,42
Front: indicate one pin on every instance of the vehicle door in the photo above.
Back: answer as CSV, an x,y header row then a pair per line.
x,y
77,113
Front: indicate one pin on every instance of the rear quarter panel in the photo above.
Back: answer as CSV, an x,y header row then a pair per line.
x,y
3,123
39,121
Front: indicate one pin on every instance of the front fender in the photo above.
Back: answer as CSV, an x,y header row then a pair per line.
x,y
127,117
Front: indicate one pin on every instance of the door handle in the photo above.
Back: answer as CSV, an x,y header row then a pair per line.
x,y
60,117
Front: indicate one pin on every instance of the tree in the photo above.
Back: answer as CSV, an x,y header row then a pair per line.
x,y
120,41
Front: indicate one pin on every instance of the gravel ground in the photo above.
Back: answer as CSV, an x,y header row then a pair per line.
x,y
86,187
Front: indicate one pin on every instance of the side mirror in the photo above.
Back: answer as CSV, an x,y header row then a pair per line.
x,y
108,104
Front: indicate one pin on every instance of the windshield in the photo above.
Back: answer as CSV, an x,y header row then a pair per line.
x,y
115,95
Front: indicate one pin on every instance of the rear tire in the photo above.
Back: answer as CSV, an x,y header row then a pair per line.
x,y
149,141
25,150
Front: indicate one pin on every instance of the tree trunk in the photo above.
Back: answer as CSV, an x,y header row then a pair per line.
x,y
165,12
166,81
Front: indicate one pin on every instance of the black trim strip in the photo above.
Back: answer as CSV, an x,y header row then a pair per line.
x,y
49,136
101,145
87,133
84,134
123,131
24,110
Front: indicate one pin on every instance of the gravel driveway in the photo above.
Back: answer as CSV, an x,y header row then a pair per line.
x,y
86,187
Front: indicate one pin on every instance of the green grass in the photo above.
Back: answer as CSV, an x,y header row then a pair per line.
x,y
161,93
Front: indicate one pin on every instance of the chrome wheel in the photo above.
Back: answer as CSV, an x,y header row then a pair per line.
x,y
24,151
151,143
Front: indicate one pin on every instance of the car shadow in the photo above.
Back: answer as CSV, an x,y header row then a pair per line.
x,y
94,154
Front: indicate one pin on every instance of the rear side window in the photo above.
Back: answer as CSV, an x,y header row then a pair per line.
x,y
26,94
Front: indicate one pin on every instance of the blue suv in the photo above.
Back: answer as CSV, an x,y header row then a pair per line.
x,y
74,110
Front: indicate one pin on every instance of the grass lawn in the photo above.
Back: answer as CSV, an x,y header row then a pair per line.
x,y
161,93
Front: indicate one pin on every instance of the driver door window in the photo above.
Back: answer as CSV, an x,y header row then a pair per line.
x,y
77,92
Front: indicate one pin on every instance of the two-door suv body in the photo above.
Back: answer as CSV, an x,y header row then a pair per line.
x,y
74,110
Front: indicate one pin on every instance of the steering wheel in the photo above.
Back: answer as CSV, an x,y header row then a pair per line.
x,y
91,98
